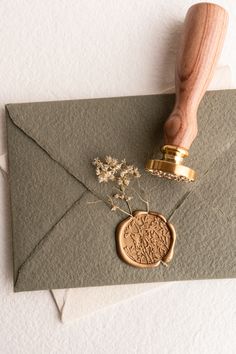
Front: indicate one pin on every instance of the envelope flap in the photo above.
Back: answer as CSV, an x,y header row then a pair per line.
x,y
41,193
75,132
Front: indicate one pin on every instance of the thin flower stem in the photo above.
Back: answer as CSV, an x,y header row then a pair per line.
x,y
119,189
129,206
117,207
123,211
95,201
99,201
110,203
144,193
145,201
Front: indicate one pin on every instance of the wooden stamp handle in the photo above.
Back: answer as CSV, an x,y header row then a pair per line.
x,y
202,40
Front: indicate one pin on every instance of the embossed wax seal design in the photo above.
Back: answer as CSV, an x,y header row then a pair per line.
x,y
145,240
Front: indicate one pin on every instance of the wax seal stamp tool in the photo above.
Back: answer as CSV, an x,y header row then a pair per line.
x,y
201,43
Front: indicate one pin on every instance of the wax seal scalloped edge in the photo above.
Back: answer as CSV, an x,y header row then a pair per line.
x,y
120,230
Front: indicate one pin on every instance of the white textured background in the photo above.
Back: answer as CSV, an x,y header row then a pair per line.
x,y
52,50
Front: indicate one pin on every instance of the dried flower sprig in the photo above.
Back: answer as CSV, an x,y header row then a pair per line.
x,y
111,170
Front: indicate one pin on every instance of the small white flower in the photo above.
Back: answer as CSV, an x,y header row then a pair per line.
x,y
111,161
128,198
98,171
119,196
112,177
103,177
136,172
126,181
120,181
96,161
117,167
123,181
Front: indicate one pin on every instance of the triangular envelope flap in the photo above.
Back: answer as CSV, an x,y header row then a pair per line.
x,y
75,132
218,187
41,192
84,253
206,244
216,129
206,220
79,250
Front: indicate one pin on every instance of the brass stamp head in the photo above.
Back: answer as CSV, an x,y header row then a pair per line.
x,y
171,166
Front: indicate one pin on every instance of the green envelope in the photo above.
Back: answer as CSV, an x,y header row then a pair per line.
x,y
62,241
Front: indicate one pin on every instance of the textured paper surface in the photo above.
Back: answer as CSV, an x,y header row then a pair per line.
x,y
76,303
62,241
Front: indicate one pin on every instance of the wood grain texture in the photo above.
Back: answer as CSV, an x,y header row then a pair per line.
x,y
200,46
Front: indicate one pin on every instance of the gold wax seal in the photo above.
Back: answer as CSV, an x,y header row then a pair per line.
x,y
145,240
